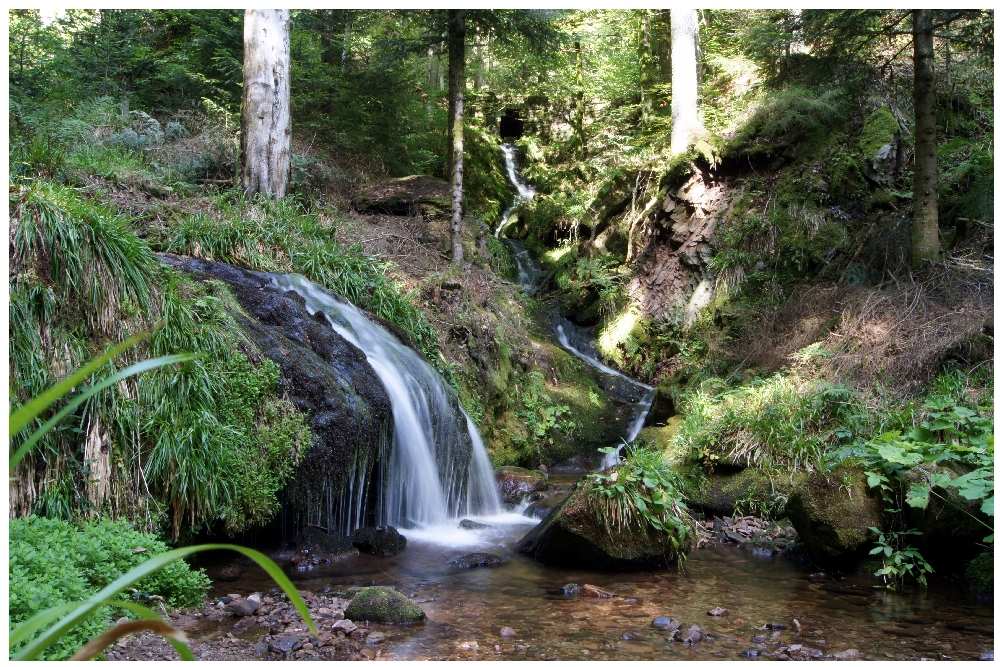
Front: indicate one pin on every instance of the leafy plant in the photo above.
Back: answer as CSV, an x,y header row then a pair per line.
x,y
899,560
641,493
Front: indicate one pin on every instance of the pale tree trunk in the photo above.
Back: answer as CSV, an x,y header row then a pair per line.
x,y
684,79
924,233
647,69
265,141
580,103
456,98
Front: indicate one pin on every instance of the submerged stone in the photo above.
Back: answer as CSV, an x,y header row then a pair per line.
x,y
382,604
476,560
469,524
378,541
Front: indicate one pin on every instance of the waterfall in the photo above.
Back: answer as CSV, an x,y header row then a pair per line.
x,y
579,345
438,469
524,191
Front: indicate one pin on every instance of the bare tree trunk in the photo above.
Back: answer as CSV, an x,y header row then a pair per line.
x,y
456,99
684,79
924,234
581,104
265,141
647,69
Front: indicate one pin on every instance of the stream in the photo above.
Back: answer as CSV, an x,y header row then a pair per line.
x,y
438,472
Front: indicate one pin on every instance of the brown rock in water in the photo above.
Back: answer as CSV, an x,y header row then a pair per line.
x,y
231,572
692,635
718,611
849,654
588,590
515,483
507,632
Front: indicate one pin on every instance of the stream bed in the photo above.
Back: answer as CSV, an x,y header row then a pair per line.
x,y
467,608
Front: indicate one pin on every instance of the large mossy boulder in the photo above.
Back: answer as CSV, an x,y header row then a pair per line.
x,y
572,535
951,533
749,491
833,512
979,574
326,377
381,604
515,483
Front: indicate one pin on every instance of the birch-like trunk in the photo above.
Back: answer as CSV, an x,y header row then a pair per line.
x,y
684,79
265,141
456,95
924,233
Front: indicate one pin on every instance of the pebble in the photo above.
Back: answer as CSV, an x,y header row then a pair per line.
x,y
692,635
718,611
375,638
507,632
629,636
468,646
285,644
759,639
345,626
665,623
753,653
849,654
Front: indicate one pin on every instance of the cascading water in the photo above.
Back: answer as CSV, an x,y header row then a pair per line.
x,y
438,470
524,191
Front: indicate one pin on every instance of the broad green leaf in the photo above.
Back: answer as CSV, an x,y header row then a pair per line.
x,y
921,434
918,495
987,506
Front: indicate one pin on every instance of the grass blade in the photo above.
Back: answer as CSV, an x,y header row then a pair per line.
x,y
53,634
134,369
96,646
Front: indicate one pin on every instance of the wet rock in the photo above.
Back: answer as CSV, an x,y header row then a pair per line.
x,y
774,626
718,611
469,524
507,632
324,375
800,652
242,607
231,572
572,535
759,639
979,573
383,605
849,654
358,634
588,590
260,648
378,541
368,653
476,560
281,644
375,638
345,626
751,654
720,493
515,483
692,635
987,655
332,548
467,646
629,636
665,623
570,466
663,406
832,512
541,508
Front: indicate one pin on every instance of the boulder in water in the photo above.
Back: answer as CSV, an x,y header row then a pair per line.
x,y
476,560
469,524
832,512
378,541
515,483
325,545
572,535
381,604
541,508
720,492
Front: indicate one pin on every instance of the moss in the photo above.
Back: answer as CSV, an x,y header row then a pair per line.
x,y
979,573
877,130
833,511
748,492
382,604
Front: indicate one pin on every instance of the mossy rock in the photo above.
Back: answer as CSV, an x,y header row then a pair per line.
x,y
515,483
750,491
833,512
663,406
661,436
878,130
950,532
382,604
979,573
572,535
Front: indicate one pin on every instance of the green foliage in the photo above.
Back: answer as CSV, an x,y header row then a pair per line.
x,y
878,129
796,119
540,415
278,236
642,493
899,560
52,562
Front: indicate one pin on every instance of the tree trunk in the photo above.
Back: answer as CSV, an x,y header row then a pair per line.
x,y
265,140
580,103
684,79
456,102
924,234
647,69
663,44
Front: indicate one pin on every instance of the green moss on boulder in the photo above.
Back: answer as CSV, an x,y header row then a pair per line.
x,y
382,604
750,491
979,574
878,130
832,512
573,536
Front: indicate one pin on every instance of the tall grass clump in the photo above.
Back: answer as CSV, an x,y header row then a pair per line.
x,y
278,236
171,447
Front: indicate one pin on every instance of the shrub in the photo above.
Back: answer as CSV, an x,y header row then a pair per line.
x,y
54,561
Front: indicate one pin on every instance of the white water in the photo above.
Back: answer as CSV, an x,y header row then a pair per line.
x,y
524,191
438,470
